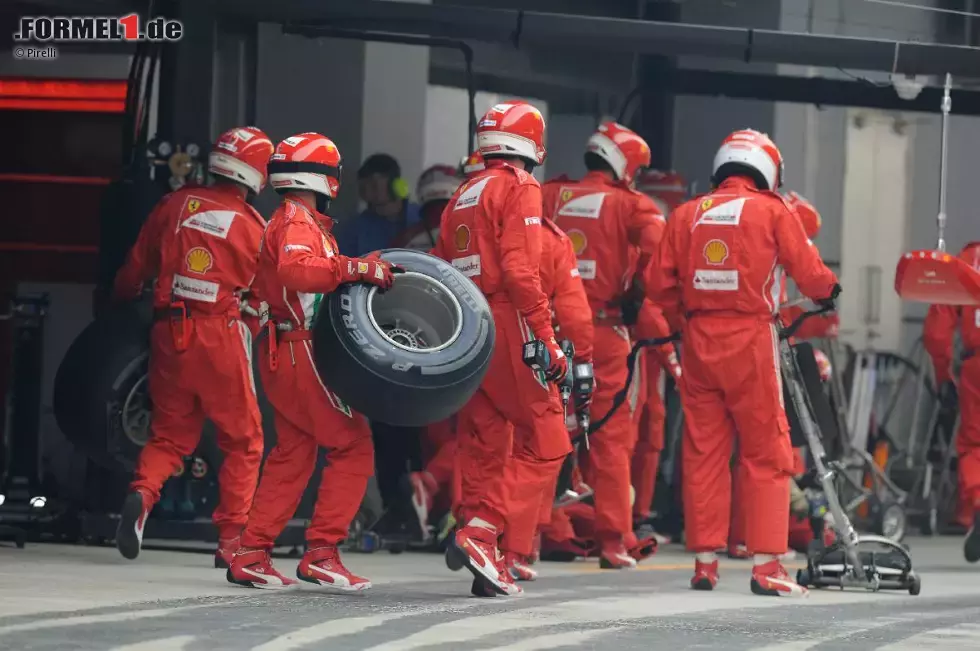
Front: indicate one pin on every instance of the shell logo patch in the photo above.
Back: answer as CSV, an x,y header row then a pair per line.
x,y
715,252
706,204
199,260
566,195
462,237
362,267
579,241
193,205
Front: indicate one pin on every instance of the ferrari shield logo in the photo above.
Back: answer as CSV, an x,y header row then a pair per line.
x,y
706,204
566,195
193,205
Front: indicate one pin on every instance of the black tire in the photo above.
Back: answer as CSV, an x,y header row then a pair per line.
x,y
915,585
803,578
889,520
413,355
103,369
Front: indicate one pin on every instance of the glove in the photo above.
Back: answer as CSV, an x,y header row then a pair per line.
x,y
559,362
370,270
830,301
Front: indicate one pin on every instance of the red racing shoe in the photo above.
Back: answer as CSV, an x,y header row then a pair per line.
x,y
614,556
476,549
253,568
519,569
424,487
771,580
705,576
226,550
641,548
322,566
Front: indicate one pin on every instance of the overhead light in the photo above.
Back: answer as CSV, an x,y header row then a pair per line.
x,y
908,87
39,501
3,498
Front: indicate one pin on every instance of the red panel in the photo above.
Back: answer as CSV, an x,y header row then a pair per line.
x,y
47,178
74,105
63,95
937,278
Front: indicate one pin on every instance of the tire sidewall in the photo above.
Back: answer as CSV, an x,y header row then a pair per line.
x,y
345,335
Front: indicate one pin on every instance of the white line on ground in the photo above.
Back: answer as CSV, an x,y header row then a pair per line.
x,y
303,636
611,609
963,636
82,620
177,643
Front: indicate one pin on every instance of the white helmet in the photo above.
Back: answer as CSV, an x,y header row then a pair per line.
x,y
750,153
437,183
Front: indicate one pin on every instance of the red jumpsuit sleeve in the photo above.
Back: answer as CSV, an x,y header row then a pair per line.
x,y
646,229
662,276
800,258
520,258
143,260
937,337
301,268
572,305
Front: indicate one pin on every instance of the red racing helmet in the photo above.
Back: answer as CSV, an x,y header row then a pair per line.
x,y
808,215
749,153
622,149
307,161
242,155
472,165
512,129
437,183
667,189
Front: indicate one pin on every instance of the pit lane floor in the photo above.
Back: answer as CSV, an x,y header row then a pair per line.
x,y
56,597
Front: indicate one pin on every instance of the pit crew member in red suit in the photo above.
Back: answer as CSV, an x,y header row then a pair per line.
x,y
717,274
298,264
562,283
491,232
941,323
613,229
202,245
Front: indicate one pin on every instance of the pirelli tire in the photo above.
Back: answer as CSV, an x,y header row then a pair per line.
x,y
413,355
101,398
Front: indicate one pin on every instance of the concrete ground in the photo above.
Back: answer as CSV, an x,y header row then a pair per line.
x,y
62,598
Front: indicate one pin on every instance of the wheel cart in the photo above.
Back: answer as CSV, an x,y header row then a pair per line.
x,y
870,562
861,481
